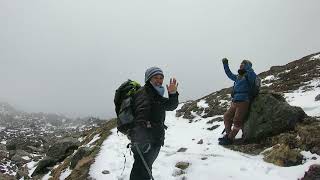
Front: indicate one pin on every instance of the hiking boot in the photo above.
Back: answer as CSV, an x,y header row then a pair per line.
x,y
225,141
223,137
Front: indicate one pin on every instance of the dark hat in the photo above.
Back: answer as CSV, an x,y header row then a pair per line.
x,y
247,62
150,72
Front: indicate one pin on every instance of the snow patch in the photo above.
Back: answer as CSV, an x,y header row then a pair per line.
x,y
26,158
65,174
270,78
266,84
31,167
80,139
202,104
94,139
306,100
316,57
286,71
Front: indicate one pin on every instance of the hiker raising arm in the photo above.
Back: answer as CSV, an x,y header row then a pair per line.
x,y
230,75
241,97
147,135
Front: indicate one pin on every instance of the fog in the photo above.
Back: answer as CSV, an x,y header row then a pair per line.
x,y
70,56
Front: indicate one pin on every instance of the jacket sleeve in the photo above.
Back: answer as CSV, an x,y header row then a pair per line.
x,y
172,102
142,107
251,75
230,75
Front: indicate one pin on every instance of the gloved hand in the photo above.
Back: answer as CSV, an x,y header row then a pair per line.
x,y
225,61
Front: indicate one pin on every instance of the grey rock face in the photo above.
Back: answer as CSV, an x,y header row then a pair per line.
x,y
270,115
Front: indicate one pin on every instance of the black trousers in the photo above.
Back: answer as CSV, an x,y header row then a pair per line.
x,y
150,153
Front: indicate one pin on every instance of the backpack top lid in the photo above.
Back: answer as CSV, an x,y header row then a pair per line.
x,y
125,90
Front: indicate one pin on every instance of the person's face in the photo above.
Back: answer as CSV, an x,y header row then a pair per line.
x,y
241,66
157,80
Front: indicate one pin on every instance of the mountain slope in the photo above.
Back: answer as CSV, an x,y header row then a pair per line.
x,y
196,126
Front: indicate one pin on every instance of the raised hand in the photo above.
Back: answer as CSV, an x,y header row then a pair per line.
x,y
225,61
172,87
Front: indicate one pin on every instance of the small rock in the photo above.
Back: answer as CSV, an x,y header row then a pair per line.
x,y
183,165
314,158
105,172
178,172
213,127
317,98
204,158
200,142
182,150
218,119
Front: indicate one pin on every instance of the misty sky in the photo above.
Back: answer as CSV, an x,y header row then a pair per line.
x,y
70,56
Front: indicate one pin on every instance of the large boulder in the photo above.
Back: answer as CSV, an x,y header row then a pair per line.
x,y
270,115
43,166
63,148
21,143
81,153
19,160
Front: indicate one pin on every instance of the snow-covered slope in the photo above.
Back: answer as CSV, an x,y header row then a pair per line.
x,y
207,161
306,99
299,81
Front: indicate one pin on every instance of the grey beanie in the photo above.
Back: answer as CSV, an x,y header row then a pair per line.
x,y
152,72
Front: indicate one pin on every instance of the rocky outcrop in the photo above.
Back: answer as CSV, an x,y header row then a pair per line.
x,y
293,75
63,148
270,115
217,102
22,143
43,166
283,155
56,153
308,135
81,153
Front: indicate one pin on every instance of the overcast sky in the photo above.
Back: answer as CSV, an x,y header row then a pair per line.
x,y
70,56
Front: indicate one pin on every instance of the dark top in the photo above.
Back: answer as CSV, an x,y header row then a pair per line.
x,y
150,112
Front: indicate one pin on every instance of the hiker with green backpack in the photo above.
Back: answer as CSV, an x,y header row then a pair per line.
x,y
141,115
246,87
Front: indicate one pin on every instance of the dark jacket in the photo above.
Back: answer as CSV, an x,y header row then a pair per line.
x,y
150,108
242,84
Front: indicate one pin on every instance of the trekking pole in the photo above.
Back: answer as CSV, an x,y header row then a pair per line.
x,y
144,161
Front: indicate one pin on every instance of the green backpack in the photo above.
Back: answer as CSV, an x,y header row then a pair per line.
x,y
123,101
